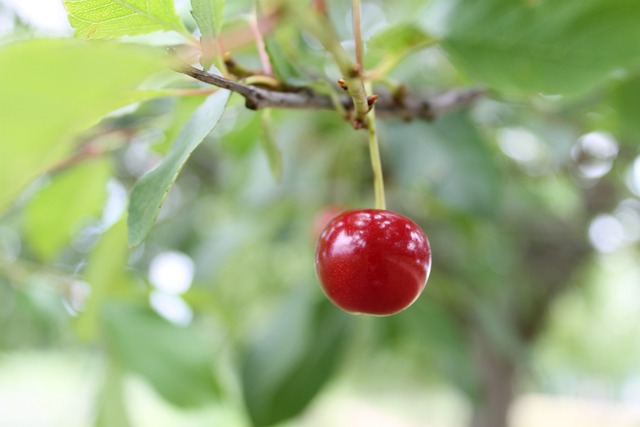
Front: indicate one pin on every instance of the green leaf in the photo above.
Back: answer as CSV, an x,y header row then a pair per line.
x,y
449,159
392,44
112,411
397,39
53,90
270,146
549,46
297,352
208,16
149,193
240,141
475,186
106,274
57,211
182,111
105,19
442,337
177,361
625,100
500,330
283,67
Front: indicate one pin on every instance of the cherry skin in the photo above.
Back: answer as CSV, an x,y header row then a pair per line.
x,y
373,261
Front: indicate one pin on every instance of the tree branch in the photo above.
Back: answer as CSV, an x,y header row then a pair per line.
x,y
409,107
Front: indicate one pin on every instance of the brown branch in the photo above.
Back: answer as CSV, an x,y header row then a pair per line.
x,y
409,107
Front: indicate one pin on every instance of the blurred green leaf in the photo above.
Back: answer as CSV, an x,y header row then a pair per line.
x,y
54,89
177,361
31,317
475,186
547,46
397,39
500,330
296,354
625,100
106,274
283,67
208,15
57,211
442,336
150,191
105,19
240,140
182,111
112,411
451,159
270,146
392,44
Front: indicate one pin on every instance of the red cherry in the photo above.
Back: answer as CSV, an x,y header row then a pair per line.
x,y
373,261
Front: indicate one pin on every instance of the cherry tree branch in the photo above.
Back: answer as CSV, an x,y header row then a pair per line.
x,y
409,107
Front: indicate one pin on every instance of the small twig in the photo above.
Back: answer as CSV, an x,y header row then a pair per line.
x,y
237,69
256,78
319,6
88,151
189,92
230,40
357,33
18,272
320,27
220,57
264,80
409,107
262,51
92,147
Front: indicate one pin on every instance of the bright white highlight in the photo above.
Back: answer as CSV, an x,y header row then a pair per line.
x,y
171,272
606,233
633,177
594,153
48,16
521,145
171,307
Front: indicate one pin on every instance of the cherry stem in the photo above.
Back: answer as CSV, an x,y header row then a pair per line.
x,y
370,117
374,152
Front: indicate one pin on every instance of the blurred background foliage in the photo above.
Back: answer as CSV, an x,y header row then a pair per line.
x,y
529,198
